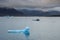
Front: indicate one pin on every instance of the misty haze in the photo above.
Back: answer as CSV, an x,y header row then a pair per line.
x,y
41,16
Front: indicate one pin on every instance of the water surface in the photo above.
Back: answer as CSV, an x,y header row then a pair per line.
x,y
48,28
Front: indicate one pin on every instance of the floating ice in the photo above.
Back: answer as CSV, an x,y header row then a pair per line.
x,y
24,31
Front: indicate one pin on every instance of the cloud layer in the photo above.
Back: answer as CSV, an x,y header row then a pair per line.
x,y
29,3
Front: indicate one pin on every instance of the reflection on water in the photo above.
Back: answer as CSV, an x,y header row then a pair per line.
x,y
48,28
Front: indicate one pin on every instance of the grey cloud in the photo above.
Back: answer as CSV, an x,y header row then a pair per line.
x,y
2,1
30,3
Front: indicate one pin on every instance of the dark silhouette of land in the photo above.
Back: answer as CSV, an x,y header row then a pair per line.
x,y
10,12
26,12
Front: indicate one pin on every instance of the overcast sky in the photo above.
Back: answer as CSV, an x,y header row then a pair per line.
x,y
30,3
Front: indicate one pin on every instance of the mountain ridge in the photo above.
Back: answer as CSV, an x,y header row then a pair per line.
x,y
26,12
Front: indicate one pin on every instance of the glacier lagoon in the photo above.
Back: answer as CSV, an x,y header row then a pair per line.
x,y
48,28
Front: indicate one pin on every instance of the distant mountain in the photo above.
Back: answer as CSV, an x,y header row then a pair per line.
x,y
10,12
32,12
53,13
40,13
26,12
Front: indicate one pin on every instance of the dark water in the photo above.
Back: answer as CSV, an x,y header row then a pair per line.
x,y
48,28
